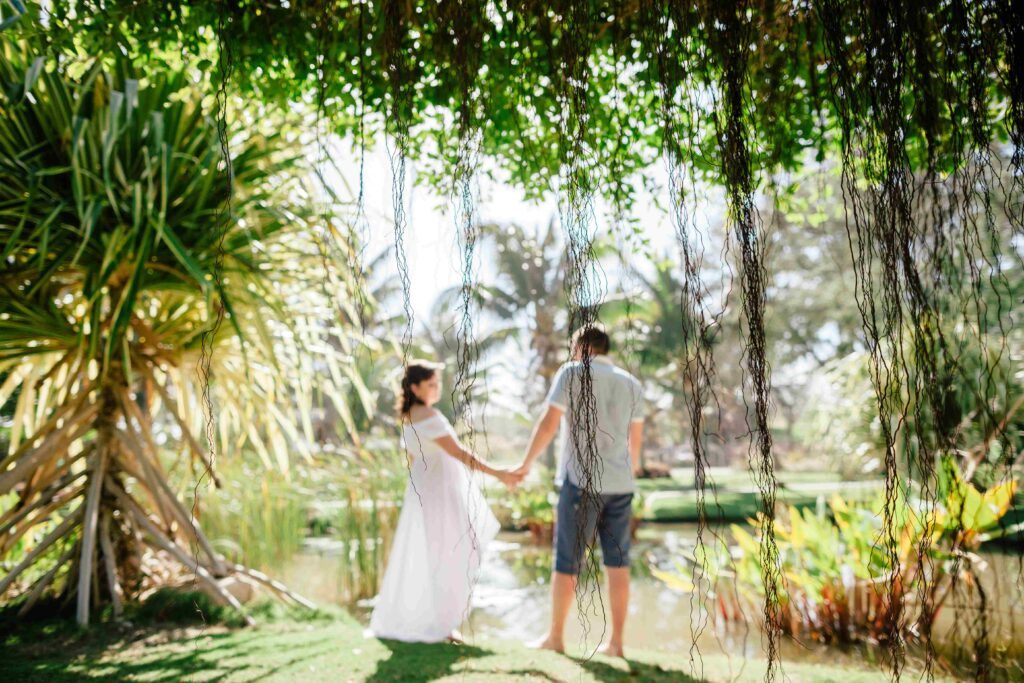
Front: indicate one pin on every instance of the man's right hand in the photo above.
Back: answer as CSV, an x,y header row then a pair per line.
x,y
523,470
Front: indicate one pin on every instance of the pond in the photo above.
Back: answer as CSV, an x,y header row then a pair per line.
x,y
512,602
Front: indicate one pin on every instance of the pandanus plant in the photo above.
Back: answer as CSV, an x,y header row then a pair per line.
x,y
120,241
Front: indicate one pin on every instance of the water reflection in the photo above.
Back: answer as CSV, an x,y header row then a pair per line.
x,y
512,602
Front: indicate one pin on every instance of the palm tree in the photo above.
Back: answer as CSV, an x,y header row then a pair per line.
x,y
527,292
658,325
440,340
366,338
119,248
654,321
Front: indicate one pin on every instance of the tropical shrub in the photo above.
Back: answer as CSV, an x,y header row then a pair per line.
x,y
846,577
129,263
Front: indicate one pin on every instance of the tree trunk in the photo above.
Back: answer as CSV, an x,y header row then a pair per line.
x,y
120,457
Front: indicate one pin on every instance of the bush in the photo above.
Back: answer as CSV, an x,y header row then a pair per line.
x,y
841,580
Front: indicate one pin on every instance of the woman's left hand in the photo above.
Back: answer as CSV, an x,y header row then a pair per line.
x,y
510,478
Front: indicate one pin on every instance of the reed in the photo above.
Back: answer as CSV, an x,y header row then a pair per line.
x,y
366,524
262,519
258,519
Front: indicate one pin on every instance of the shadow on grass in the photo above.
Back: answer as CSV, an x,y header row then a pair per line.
x,y
216,655
638,671
49,646
421,662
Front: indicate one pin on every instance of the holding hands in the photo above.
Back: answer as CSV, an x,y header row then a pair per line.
x,y
543,433
523,470
510,478
518,474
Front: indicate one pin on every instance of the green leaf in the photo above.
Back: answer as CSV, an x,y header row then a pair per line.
x,y
182,255
32,75
676,581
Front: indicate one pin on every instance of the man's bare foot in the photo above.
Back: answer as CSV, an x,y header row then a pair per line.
x,y
547,644
609,650
455,638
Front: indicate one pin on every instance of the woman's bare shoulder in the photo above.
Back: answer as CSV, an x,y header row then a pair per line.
x,y
419,413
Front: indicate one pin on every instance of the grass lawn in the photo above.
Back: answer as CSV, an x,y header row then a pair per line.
x,y
732,478
673,500
332,648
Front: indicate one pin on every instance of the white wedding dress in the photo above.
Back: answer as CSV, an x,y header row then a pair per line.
x,y
443,529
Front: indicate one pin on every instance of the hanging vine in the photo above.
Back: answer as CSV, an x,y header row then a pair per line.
x,y
360,223
225,65
346,249
844,94
573,27
397,49
222,224
460,40
1010,23
670,37
891,215
730,32
923,103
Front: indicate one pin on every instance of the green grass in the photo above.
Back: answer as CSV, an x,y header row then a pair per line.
x,y
731,478
331,647
673,499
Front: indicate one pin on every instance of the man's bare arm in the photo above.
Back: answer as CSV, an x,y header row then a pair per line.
x,y
543,433
636,437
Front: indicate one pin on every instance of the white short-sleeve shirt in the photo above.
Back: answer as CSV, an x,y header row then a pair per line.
x,y
617,401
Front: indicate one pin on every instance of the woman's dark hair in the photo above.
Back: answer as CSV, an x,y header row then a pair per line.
x,y
415,372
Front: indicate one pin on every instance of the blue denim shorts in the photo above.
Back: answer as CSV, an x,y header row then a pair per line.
x,y
577,522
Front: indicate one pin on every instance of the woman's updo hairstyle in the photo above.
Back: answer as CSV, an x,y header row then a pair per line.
x,y
416,371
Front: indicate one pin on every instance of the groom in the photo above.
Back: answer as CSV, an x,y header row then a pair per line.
x,y
604,428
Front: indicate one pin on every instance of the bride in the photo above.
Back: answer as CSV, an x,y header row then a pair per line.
x,y
444,526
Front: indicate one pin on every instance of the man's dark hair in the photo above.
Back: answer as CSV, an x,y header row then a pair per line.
x,y
592,339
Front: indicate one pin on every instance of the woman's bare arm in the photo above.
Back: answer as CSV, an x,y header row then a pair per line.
x,y
453,448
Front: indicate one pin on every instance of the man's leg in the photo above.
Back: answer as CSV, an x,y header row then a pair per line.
x,y
618,596
563,590
574,527
614,528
